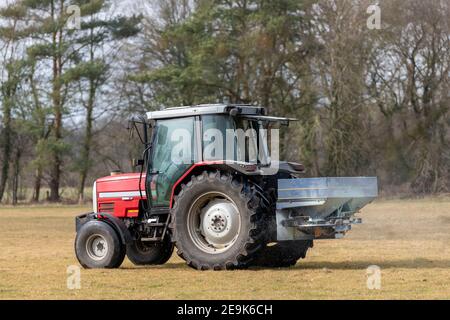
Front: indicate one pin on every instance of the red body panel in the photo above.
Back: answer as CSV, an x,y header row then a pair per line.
x,y
119,194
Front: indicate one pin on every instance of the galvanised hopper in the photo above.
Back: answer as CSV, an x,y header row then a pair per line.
x,y
321,208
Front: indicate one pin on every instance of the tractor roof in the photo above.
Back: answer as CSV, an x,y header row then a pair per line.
x,y
201,109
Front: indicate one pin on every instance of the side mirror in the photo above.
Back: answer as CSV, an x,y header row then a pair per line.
x,y
138,162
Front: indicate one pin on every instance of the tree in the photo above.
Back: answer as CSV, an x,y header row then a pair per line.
x,y
64,58
341,79
410,80
51,56
368,101
10,78
95,36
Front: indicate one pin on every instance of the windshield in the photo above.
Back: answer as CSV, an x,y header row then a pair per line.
x,y
235,139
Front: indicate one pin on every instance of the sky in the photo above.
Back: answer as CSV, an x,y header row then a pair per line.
x,y
125,7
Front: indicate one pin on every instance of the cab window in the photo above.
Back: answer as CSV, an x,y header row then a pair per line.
x,y
173,153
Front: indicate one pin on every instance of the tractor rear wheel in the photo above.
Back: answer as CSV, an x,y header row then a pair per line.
x,y
97,245
148,253
217,222
282,254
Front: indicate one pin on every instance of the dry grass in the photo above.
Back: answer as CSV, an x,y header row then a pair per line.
x,y
407,239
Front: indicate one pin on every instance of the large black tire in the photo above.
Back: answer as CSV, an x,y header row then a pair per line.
x,y
282,254
148,253
97,245
248,240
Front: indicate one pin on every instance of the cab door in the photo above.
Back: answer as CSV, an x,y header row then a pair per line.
x,y
173,152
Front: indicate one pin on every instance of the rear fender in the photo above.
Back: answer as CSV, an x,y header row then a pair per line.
x,y
116,223
242,168
199,167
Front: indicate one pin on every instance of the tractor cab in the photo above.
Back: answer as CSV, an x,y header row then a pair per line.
x,y
234,138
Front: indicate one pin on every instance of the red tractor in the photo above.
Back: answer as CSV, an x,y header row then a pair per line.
x,y
210,185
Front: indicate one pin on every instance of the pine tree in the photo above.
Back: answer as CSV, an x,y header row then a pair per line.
x,y
10,78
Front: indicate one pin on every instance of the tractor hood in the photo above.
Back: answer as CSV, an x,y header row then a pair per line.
x,y
119,194
126,184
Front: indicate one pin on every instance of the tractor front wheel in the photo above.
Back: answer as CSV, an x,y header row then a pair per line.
x,y
97,245
217,222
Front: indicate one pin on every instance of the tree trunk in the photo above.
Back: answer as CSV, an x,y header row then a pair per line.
x,y
44,134
15,178
6,144
55,173
81,188
85,154
37,184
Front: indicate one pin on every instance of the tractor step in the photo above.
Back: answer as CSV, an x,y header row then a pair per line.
x,y
155,224
153,239
159,211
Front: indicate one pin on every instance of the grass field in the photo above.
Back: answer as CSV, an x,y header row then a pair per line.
x,y
408,239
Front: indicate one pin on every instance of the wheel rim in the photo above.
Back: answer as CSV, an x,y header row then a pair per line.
x,y
214,222
96,247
